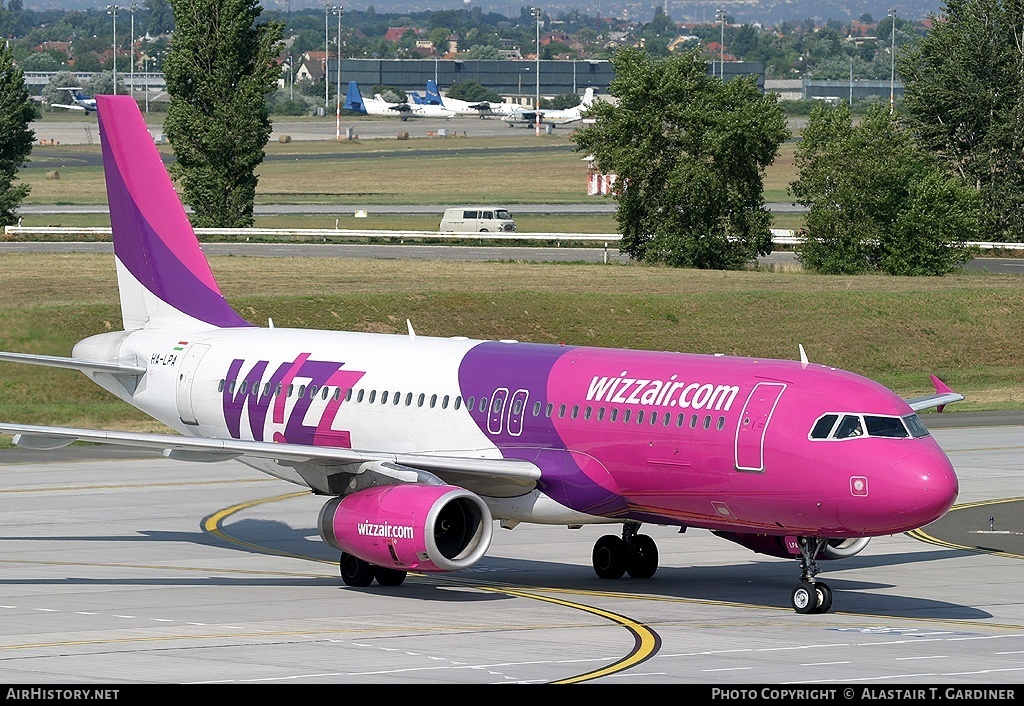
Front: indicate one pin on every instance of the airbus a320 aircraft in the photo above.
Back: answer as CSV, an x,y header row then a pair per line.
x,y
419,444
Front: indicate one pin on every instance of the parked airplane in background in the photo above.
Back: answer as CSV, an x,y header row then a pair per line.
x,y
482,109
81,101
529,117
355,102
419,443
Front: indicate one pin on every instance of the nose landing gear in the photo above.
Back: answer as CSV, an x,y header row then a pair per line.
x,y
811,596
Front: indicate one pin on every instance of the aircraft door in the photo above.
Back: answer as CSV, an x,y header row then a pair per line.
x,y
753,424
186,375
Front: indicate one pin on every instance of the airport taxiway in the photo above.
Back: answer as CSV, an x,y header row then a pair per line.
x,y
117,568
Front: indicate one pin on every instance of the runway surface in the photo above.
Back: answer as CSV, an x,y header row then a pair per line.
x,y
121,569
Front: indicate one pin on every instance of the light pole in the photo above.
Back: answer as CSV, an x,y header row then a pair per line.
x,y
892,70
145,70
131,51
339,11
720,16
536,11
112,11
327,58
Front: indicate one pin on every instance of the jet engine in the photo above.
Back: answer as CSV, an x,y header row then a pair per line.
x,y
409,526
774,545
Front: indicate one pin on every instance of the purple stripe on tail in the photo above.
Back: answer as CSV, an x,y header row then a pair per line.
x,y
153,238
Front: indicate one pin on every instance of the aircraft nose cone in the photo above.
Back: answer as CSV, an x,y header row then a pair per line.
x,y
923,487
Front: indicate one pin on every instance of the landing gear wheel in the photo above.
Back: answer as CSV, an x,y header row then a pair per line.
x,y
610,557
389,577
824,597
805,598
643,557
355,571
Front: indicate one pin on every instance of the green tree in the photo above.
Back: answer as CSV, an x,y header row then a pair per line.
x,y
964,98
877,200
16,112
690,154
472,91
221,66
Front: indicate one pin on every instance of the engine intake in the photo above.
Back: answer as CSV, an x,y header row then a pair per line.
x,y
409,527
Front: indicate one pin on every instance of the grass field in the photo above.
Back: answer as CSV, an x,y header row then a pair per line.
x,y
389,172
964,328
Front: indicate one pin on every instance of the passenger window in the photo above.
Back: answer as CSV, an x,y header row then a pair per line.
x,y
693,421
640,417
849,427
444,402
348,394
312,391
536,408
721,424
625,416
668,418
680,420
373,396
241,388
220,386
615,413
458,401
487,215
469,214
433,401
600,414
561,411
469,402
420,399
547,410
575,411
823,426
359,396
408,399
707,422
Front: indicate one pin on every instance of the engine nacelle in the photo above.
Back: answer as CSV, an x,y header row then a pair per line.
x,y
774,545
409,527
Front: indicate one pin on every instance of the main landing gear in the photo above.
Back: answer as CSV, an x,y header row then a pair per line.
x,y
360,574
811,596
632,553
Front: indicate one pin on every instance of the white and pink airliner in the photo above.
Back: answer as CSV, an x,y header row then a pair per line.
x,y
420,444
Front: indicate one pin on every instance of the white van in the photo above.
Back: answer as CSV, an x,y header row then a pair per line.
x,y
477,219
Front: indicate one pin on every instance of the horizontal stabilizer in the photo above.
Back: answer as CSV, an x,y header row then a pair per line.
x,y
86,366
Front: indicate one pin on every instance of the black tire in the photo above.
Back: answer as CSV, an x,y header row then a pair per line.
x,y
610,557
389,577
355,571
484,230
824,597
643,557
805,598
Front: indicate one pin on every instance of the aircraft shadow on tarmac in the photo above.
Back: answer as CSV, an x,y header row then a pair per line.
x,y
765,582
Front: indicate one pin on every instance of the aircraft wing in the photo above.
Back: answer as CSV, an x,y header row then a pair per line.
x,y
68,107
943,395
315,464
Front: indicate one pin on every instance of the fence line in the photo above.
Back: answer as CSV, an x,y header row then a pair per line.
x,y
779,236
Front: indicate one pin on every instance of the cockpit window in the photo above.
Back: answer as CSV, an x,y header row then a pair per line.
x,y
823,426
850,426
890,427
916,426
876,425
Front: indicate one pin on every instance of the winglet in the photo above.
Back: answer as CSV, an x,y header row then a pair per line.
x,y
944,395
803,356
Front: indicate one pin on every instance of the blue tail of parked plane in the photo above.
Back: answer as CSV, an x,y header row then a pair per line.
x,y
354,99
433,96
